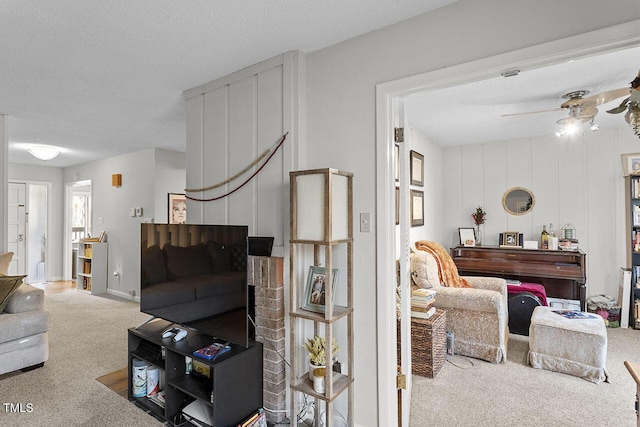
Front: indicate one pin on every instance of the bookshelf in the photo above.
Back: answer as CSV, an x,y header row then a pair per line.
x,y
633,245
92,267
321,224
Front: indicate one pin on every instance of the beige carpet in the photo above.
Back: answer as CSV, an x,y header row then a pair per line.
x,y
88,339
514,394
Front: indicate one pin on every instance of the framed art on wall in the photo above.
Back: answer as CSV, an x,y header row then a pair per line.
x,y
417,168
177,207
314,296
417,208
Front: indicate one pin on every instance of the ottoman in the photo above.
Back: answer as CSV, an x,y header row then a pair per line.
x,y
574,346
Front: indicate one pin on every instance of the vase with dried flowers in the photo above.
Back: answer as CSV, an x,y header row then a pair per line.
x,y
479,216
317,353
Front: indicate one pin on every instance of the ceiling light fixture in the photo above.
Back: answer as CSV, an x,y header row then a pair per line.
x,y
43,153
593,126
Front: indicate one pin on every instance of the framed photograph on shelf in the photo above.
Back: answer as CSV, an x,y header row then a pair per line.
x,y
511,239
630,164
467,236
417,208
417,168
177,208
314,296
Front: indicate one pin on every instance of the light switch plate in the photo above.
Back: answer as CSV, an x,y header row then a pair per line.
x,y
132,211
138,211
365,222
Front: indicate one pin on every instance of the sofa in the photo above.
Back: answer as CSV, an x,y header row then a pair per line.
x,y
24,325
477,307
186,283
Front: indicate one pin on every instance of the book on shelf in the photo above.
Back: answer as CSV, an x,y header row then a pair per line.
x,y
423,314
423,293
422,306
158,398
212,351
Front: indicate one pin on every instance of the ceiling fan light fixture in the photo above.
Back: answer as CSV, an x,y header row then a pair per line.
x,y
594,126
44,153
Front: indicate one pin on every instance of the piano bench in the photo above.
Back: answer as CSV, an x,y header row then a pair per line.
x,y
571,346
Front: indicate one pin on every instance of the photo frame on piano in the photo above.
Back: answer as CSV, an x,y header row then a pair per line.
x,y
511,239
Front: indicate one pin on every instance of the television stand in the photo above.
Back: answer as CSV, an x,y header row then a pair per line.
x,y
232,391
150,319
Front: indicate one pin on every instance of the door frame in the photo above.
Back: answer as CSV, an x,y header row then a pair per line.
x,y
592,43
68,200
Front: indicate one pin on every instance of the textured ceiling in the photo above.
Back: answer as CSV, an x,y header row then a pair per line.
x,y
104,77
472,113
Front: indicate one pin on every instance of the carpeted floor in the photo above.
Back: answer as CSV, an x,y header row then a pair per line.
x,y
88,339
514,394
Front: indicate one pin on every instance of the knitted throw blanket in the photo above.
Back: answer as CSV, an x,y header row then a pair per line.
x,y
447,269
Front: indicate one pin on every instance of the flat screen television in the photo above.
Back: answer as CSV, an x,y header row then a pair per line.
x,y
195,275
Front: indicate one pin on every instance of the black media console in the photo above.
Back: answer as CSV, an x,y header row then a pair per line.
x,y
233,391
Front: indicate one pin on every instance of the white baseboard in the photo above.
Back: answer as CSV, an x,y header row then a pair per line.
x,y
123,295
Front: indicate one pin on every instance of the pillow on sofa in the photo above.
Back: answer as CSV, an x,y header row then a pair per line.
x,y
153,265
424,270
5,260
186,261
8,285
219,256
447,269
238,258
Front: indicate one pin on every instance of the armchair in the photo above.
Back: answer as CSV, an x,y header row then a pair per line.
x,y
477,308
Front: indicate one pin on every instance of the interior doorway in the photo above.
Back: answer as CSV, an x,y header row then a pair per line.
x,y
78,222
28,235
386,95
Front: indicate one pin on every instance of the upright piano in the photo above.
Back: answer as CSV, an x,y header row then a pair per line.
x,y
562,273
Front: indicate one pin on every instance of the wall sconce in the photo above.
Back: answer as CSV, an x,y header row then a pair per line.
x,y
116,180
42,152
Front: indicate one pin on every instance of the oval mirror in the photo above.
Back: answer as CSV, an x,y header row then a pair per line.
x,y
518,201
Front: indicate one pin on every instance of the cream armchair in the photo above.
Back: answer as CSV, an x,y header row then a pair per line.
x,y
477,314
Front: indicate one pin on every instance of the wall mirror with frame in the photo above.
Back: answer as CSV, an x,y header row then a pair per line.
x,y
518,201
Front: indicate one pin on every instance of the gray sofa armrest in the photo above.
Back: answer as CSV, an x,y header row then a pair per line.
x,y
25,298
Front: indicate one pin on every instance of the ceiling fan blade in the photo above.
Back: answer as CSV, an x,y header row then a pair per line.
x,y
530,112
599,98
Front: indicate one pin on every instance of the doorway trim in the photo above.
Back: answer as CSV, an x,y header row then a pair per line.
x,y
587,44
68,199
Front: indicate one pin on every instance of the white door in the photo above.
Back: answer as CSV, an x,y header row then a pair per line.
x,y
17,219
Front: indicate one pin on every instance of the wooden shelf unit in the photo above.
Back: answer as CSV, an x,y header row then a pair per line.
x,y
334,315
92,267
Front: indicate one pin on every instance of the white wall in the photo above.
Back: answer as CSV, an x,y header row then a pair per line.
x,y
574,180
4,185
341,109
140,188
34,173
340,112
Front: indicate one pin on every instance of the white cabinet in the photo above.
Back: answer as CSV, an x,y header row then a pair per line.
x,y
92,267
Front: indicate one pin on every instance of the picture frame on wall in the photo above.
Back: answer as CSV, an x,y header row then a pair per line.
x,y
417,208
467,236
314,296
416,166
630,164
177,208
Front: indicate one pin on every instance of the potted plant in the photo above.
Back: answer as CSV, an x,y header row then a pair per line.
x,y
316,347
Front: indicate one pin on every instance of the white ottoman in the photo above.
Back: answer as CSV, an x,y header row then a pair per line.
x,y
571,346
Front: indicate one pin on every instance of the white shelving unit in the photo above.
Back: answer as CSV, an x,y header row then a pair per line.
x,y
92,267
321,220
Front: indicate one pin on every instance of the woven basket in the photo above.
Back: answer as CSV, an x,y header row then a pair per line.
x,y
428,344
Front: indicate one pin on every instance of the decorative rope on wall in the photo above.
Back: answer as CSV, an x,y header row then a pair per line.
x,y
271,150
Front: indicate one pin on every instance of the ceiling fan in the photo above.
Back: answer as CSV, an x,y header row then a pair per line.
x,y
581,109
